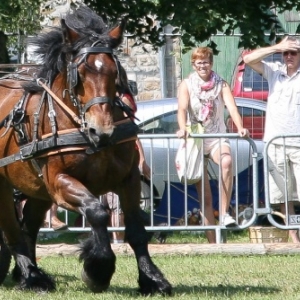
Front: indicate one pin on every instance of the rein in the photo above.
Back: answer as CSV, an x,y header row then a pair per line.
x,y
59,102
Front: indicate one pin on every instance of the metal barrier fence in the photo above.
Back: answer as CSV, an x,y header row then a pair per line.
x,y
291,218
245,159
160,151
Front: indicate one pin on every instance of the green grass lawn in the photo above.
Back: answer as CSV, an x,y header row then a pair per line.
x,y
265,277
193,277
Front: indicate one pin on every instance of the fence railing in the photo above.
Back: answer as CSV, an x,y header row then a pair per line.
x,y
291,219
178,202
245,160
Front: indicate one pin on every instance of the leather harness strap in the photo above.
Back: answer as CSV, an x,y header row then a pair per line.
x,y
67,141
72,139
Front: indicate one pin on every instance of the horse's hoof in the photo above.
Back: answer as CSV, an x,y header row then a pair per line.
x,y
148,286
94,287
37,281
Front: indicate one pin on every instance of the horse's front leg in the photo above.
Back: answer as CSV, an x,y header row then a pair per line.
x,y
151,279
96,252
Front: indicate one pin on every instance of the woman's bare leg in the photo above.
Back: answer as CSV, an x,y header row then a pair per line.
x,y
207,210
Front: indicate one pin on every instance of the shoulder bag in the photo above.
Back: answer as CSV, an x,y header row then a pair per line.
x,y
189,157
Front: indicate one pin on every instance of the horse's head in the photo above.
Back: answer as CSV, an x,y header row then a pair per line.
x,y
92,73
78,62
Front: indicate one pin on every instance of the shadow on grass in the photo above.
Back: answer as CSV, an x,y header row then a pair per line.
x,y
229,290
9,283
211,291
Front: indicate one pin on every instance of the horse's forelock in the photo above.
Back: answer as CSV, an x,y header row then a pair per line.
x,y
84,17
90,26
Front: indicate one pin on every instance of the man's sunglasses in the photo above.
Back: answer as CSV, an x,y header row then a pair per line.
x,y
291,53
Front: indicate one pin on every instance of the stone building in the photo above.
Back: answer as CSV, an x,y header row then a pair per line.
x,y
157,73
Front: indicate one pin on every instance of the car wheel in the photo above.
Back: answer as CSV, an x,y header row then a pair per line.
x,y
5,258
145,201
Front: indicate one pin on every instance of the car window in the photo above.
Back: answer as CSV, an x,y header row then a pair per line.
x,y
252,81
253,120
166,123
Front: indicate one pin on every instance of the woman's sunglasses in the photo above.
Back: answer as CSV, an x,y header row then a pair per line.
x,y
291,53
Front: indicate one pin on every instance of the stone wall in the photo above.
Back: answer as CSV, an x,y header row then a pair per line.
x,y
157,73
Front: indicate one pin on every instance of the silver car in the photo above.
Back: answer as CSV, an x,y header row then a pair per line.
x,y
159,117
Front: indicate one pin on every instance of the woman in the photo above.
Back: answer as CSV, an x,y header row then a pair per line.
x,y
202,97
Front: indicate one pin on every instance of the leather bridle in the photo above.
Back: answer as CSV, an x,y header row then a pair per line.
x,y
72,77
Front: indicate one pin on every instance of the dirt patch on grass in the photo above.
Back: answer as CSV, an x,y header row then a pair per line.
x,y
190,249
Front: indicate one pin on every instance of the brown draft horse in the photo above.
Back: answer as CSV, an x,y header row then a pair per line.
x,y
64,139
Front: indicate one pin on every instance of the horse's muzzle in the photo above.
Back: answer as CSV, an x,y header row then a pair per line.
x,y
99,140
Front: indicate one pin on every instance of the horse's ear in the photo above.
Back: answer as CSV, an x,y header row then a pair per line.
x,y
69,34
117,32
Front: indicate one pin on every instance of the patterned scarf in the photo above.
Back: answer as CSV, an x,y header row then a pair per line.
x,y
206,92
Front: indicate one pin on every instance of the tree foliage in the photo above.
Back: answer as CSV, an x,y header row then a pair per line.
x,y
198,20
18,18
195,20
20,15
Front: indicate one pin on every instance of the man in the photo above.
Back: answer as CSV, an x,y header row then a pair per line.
x,y
282,117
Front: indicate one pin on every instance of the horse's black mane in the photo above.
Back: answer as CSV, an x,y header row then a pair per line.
x,y
52,50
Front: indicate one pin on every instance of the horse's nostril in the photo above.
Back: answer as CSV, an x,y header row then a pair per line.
x,y
93,134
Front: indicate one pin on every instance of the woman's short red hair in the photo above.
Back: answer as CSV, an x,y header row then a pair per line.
x,y
202,52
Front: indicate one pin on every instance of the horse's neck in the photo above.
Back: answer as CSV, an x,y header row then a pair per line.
x,y
11,83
